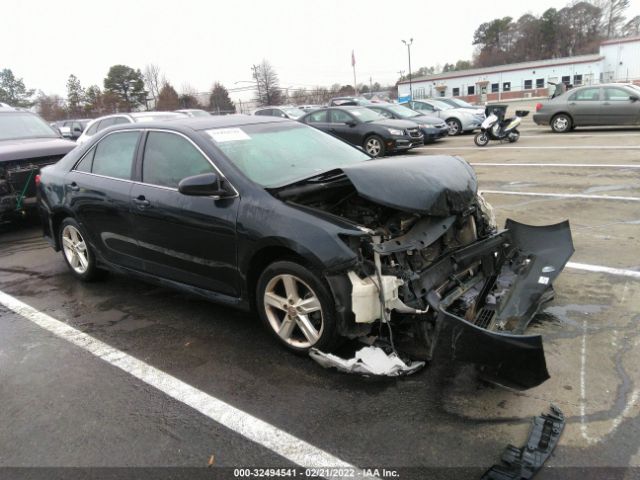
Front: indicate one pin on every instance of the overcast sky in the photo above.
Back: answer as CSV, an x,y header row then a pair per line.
x,y
197,42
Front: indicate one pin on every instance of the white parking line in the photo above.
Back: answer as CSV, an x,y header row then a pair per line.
x,y
284,444
564,195
563,165
546,147
601,269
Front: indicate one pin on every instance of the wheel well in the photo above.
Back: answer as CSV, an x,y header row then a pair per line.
x,y
261,259
56,219
453,118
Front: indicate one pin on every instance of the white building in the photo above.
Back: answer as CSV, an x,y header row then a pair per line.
x,y
617,61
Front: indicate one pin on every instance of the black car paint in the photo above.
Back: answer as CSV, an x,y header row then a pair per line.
x,y
355,133
216,247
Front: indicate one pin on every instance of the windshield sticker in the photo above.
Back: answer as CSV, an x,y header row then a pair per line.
x,y
356,113
221,135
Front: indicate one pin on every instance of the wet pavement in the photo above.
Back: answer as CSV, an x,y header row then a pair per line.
x,y
62,406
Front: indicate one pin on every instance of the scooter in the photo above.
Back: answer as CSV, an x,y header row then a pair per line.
x,y
496,127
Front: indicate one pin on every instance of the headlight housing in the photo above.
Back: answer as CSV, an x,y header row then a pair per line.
x,y
395,131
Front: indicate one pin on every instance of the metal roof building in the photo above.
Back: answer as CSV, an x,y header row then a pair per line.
x,y
617,60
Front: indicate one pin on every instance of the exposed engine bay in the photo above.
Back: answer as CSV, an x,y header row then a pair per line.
x,y
432,262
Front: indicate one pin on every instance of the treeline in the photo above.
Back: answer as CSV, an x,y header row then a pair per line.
x,y
576,29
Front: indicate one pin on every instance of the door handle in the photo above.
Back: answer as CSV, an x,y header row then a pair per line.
x,y
73,186
141,202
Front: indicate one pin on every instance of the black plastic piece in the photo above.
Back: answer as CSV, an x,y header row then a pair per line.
x,y
523,463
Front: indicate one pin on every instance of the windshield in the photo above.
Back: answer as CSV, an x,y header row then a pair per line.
x,y
441,105
293,112
277,154
16,125
404,112
364,114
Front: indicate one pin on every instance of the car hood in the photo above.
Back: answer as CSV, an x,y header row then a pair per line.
x,y
392,123
428,119
11,150
434,185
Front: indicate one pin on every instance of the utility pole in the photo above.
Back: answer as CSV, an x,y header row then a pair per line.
x,y
255,75
408,44
370,85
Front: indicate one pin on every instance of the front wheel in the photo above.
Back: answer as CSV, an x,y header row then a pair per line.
x,y
297,307
481,139
455,127
374,146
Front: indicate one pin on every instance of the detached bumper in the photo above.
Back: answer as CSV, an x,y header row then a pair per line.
x,y
482,318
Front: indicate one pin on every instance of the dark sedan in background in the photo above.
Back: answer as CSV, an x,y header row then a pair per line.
x,y
432,128
367,129
27,143
592,105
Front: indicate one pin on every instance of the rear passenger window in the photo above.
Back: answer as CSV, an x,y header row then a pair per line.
x,y
114,155
86,163
168,158
264,113
317,117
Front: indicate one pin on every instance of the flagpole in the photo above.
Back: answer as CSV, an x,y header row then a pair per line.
x,y
353,64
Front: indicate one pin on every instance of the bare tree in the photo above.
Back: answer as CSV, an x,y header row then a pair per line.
x,y
154,79
612,16
269,92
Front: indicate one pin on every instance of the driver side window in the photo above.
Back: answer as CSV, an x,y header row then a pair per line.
x,y
168,158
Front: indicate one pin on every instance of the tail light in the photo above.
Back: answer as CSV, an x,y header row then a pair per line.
x,y
37,180
538,106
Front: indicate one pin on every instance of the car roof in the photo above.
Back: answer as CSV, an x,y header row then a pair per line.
x,y
205,123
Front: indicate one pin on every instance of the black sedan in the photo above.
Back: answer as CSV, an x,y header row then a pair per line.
x,y
324,242
367,129
433,128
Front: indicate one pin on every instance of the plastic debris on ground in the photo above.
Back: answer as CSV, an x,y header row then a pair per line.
x,y
368,361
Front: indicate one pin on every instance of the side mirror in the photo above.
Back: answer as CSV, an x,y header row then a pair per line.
x,y
204,185
633,98
351,123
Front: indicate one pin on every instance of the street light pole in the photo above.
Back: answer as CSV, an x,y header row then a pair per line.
x,y
408,44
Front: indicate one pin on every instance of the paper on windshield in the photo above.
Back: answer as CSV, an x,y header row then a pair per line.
x,y
221,135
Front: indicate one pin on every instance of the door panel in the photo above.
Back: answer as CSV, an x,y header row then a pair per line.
x,y
338,126
585,106
618,108
187,239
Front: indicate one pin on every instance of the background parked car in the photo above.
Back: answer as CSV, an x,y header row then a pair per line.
x,y
120,118
348,101
72,129
367,129
458,103
592,105
458,120
433,128
293,113
194,112
27,143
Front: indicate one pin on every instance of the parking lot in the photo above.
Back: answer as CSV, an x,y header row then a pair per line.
x,y
161,378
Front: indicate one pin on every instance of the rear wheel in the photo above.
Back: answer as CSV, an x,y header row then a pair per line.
x,y
481,139
297,307
77,252
513,136
455,127
374,146
561,123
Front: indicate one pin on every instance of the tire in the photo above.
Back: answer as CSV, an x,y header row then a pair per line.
x,y
284,290
514,136
374,146
77,253
455,127
481,139
561,123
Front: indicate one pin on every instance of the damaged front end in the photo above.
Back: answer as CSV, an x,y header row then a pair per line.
x,y
433,265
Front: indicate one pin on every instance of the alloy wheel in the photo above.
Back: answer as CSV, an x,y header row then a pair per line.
x,y
293,310
561,124
454,128
75,249
373,147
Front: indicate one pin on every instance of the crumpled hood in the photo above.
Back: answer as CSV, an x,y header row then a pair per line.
x,y
11,150
435,185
